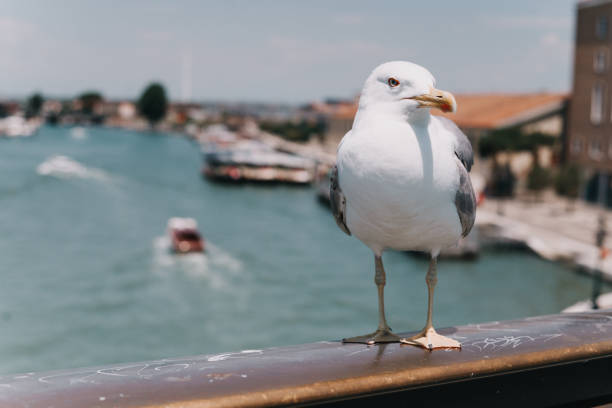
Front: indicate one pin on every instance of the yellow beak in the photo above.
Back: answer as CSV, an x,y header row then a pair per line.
x,y
445,101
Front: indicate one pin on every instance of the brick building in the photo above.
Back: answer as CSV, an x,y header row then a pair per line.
x,y
590,112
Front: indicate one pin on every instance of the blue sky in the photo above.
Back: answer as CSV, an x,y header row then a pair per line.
x,y
285,51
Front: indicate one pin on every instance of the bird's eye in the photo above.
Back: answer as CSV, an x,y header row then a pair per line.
x,y
393,82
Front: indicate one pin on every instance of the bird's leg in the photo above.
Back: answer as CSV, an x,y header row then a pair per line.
x,y
380,279
383,334
428,337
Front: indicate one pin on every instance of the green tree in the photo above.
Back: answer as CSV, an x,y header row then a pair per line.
x,y
153,103
33,105
294,131
538,178
513,140
502,181
89,100
501,185
567,183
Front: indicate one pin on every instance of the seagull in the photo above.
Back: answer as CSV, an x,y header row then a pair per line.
x,y
401,181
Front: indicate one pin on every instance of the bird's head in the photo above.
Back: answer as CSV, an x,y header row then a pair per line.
x,y
405,88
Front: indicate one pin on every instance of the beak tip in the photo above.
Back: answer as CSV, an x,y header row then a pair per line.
x,y
449,108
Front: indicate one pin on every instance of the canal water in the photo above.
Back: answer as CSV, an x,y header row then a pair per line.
x,y
87,277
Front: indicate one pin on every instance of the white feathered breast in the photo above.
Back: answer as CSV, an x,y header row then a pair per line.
x,y
400,183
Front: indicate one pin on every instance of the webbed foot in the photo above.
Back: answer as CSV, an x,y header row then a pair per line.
x,y
379,336
429,339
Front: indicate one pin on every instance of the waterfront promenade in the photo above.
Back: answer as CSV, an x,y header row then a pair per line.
x,y
550,230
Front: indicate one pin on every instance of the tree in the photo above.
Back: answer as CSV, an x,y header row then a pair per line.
x,y
567,183
538,179
513,140
33,105
502,181
153,103
501,185
294,131
89,100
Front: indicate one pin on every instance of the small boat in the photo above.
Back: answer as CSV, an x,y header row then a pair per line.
x,y
184,235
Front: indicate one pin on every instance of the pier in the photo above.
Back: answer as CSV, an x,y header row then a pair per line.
x,y
548,360
551,231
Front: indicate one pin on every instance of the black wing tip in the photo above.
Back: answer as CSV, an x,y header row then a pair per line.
x,y
337,201
343,227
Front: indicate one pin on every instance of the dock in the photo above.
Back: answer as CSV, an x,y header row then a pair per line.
x,y
550,231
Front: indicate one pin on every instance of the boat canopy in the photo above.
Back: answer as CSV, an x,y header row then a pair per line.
x,y
180,223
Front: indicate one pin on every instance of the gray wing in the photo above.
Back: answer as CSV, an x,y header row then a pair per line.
x,y
337,201
463,147
465,199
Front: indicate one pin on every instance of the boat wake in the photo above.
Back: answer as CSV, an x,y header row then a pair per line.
x,y
65,167
216,265
78,133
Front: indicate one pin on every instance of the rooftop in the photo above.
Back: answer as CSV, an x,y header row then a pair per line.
x,y
490,110
499,110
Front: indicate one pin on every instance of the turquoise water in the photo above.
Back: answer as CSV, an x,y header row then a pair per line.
x,y
87,278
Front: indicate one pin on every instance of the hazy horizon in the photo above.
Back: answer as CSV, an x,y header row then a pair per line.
x,y
279,52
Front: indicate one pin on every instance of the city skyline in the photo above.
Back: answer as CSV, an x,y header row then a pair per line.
x,y
280,51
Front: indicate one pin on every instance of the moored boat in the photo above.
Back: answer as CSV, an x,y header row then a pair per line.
x,y
18,126
251,161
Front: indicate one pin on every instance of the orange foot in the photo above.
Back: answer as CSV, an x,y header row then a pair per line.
x,y
430,340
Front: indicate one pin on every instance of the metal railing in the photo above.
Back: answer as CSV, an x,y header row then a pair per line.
x,y
542,361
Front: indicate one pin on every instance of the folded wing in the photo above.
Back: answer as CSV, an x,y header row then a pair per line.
x,y
465,199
